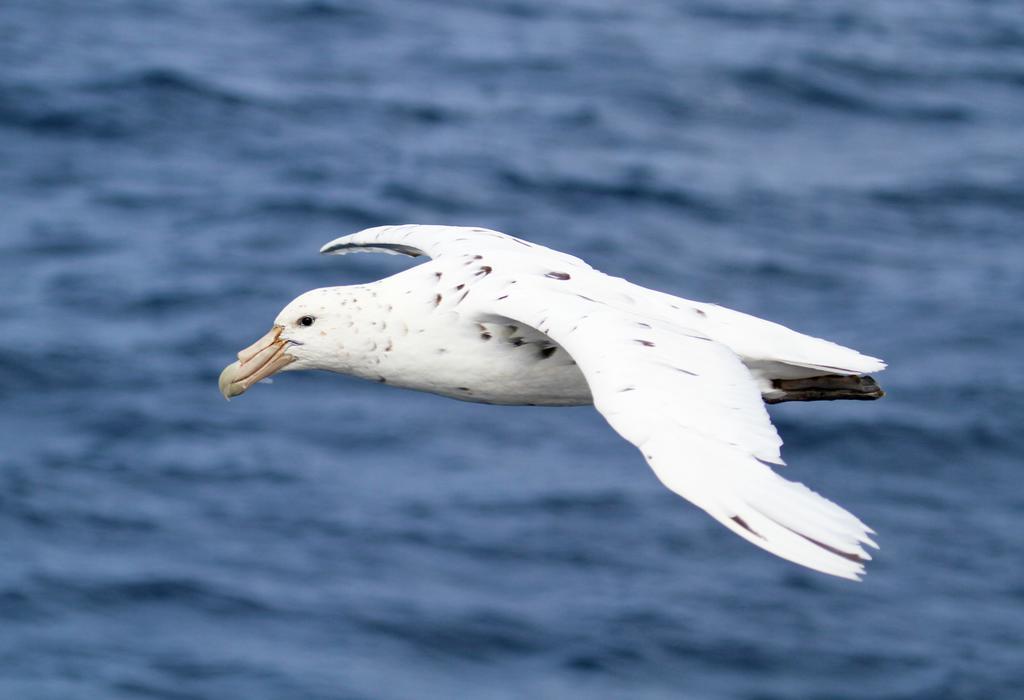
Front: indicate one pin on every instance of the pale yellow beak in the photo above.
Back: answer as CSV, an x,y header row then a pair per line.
x,y
263,358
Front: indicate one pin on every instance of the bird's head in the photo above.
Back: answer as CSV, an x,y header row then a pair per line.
x,y
299,339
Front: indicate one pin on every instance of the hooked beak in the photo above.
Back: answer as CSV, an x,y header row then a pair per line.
x,y
263,358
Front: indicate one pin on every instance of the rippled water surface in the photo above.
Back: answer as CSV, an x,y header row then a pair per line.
x,y
169,169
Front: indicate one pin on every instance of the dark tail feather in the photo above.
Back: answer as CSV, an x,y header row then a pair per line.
x,y
828,387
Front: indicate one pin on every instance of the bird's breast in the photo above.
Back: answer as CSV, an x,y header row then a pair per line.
x,y
443,353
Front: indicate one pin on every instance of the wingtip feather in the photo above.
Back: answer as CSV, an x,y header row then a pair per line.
x,y
783,517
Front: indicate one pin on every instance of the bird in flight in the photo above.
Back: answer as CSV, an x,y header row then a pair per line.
x,y
495,319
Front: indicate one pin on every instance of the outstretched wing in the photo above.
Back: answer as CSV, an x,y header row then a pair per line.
x,y
685,400
691,407
761,344
436,242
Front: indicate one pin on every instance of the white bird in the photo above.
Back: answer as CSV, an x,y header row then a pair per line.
x,y
495,319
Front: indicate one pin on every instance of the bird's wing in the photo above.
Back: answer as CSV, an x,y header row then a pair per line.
x,y
754,339
436,242
686,401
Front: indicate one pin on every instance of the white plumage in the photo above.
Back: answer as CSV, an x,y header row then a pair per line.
x,y
496,319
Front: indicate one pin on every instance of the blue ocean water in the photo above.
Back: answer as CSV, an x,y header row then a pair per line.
x,y
169,169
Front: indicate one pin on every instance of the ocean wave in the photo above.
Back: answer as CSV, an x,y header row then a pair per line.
x,y
51,111
806,85
626,188
176,591
166,81
479,635
952,194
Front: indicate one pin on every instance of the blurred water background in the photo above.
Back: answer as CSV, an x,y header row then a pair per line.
x,y
167,173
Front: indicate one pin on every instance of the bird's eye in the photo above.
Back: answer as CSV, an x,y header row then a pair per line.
x,y
306,321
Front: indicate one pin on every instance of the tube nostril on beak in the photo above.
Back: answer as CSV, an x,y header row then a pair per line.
x,y
266,341
258,361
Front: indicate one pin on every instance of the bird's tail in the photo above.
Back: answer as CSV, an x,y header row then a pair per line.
x,y
826,387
